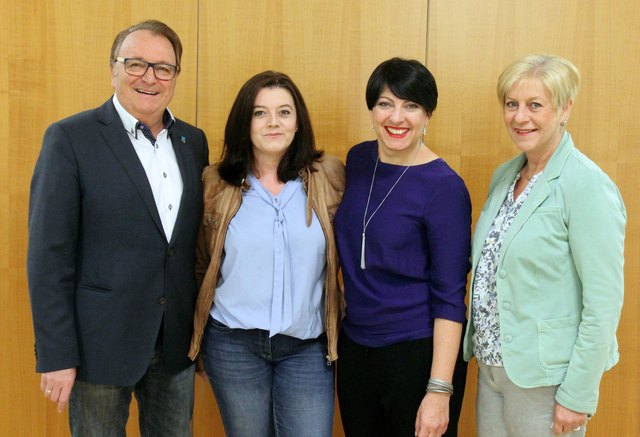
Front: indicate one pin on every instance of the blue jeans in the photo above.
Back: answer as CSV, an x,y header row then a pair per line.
x,y
279,386
165,405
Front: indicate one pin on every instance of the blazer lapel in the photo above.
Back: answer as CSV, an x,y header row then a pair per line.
x,y
118,141
180,142
537,195
540,191
498,194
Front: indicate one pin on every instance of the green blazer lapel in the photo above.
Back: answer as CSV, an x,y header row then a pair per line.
x,y
497,193
540,191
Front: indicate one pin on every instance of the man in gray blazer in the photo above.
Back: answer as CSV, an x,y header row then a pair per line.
x,y
113,219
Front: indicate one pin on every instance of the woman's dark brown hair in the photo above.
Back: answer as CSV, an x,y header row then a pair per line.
x,y
237,154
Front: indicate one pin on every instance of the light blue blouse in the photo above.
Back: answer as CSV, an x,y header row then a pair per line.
x,y
273,270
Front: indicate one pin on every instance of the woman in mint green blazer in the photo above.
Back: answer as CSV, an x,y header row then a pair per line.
x,y
547,275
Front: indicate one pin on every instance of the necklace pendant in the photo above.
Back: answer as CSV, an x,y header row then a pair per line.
x,y
362,263
365,221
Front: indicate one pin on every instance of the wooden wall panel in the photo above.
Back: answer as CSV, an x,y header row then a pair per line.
x,y
54,62
468,48
329,48
10,376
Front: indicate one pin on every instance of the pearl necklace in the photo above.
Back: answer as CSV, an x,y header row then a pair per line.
x,y
365,221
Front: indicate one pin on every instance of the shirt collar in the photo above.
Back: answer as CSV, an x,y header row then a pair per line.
x,y
130,122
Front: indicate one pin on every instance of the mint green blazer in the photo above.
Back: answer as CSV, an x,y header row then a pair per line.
x,y
560,279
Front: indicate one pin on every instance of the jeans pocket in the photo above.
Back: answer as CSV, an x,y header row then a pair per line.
x,y
219,326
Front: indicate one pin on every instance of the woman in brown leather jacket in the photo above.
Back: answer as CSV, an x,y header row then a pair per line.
x,y
267,314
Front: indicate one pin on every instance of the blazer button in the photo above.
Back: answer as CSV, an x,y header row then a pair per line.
x,y
508,338
503,274
506,306
170,252
162,300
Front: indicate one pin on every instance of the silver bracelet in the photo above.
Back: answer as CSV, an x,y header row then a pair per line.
x,y
439,386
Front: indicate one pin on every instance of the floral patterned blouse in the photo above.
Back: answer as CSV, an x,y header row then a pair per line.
x,y
486,339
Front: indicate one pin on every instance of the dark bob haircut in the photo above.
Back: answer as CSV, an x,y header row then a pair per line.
x,y
406,79
237,153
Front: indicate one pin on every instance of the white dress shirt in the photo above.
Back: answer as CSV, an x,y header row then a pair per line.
x,y
161,166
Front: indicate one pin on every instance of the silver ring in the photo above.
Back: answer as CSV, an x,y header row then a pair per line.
x,y
578,428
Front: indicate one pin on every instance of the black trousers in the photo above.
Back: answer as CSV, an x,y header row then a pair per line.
x,y
380,389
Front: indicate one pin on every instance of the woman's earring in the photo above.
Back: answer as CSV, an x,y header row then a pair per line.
x,y
424,131
563,123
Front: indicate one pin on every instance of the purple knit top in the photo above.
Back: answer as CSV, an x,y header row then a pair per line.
x,y
417,248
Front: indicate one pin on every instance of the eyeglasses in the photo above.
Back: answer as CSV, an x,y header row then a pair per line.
x,y
138,67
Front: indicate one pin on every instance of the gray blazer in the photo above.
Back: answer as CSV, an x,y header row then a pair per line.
x,y
103,279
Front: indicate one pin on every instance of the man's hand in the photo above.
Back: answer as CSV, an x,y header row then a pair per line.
x,y
57,386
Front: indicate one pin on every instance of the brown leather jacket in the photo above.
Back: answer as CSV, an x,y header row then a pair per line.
x,y
324,188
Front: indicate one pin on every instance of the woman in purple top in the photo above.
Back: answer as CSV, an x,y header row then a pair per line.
x,y
403,232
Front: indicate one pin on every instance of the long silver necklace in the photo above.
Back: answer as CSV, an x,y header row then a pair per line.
x,y
365,221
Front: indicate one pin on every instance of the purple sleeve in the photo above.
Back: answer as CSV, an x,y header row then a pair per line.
x,y
448,218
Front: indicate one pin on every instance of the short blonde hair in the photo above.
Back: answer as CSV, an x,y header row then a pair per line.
x,y
558,75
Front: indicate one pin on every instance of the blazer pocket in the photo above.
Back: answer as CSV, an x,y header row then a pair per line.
x,y
556,339
94,289
547,209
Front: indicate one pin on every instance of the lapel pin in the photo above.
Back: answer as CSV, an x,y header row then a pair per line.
x,y
183,139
